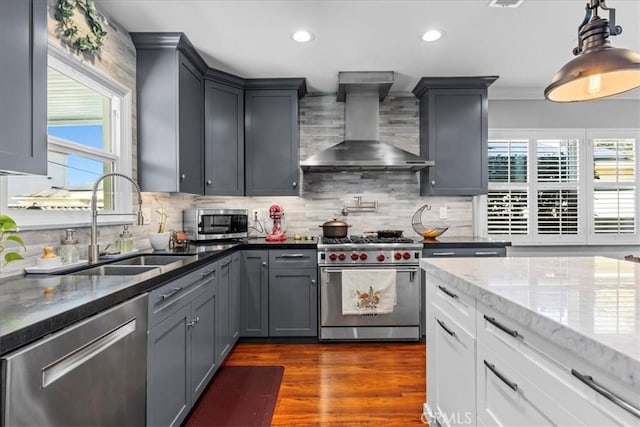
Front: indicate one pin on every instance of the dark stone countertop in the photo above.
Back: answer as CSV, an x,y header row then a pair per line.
x,y
35,305
464,242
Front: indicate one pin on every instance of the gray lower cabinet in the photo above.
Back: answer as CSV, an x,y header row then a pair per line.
x,y
293,302
170,113
254,294
223,138
271,136
23,89
181,345
454,133
279,293
234,299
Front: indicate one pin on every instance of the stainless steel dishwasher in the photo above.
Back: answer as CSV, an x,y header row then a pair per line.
x,y
88,374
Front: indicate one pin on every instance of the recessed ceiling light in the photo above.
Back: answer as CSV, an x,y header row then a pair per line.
x,y
302,36
432,35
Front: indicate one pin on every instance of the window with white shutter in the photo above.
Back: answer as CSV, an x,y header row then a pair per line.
x,y
562,186
613,185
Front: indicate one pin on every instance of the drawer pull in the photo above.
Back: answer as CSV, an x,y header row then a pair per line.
x,y
291,256
443,253
503,328
226,263
485,253
513,386
448,292
588,380
207,273
443,326
170,294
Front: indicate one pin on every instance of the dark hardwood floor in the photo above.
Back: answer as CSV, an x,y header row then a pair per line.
x,y
343,384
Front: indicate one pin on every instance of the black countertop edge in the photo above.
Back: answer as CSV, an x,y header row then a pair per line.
x,y
453,244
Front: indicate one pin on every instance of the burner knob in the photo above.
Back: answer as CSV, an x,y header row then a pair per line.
x,y
363,256
406,255
380,257
341,256
333,257
354,256
397,256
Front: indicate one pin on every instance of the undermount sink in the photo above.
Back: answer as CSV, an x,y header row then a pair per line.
x,y
152,260
116,270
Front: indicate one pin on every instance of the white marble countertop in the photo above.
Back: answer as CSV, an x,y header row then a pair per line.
x,y
587,305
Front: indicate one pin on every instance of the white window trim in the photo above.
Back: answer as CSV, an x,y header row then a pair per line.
x,y
87,74
585,187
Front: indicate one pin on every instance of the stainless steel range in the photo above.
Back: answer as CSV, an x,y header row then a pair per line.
x,y
369,288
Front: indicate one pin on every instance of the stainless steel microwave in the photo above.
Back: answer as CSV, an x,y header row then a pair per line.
x,y
216,224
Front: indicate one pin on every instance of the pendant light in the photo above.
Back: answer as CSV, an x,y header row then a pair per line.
x,y
599,70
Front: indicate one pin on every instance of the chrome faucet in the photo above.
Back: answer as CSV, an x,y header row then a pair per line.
x,y
94,253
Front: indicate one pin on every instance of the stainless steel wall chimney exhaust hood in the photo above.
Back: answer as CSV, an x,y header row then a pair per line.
x,y
361,150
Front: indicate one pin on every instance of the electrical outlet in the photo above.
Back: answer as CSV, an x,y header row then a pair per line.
x,y
146,213
255,214
443,212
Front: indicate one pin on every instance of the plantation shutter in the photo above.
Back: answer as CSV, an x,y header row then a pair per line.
x,y
557,172
507,198
614,186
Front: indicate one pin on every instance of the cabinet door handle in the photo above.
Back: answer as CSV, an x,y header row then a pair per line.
x,y
588,380
209,182
295,184
485,253
170,294
448,292
503,328
207,273
443,254
513,386
443,326
264,263
183,176
313,281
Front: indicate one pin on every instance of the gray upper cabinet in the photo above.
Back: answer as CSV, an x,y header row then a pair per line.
x,y
223,134
272,136
23,86
453,133
170,113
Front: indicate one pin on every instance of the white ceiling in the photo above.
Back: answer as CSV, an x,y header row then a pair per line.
x,y
524,46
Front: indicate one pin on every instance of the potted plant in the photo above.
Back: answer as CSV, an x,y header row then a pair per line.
x,y
8,225
160,239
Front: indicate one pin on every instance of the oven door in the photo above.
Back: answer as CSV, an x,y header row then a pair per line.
x,y
405,313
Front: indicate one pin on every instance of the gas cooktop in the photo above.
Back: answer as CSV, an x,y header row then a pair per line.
x,y
365,240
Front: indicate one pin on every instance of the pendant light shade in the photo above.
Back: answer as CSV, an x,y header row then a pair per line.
x,y
599,70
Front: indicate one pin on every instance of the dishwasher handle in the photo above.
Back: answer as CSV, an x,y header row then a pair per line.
x,y
83,354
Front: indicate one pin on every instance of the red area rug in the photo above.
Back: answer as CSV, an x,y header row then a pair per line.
x,y
239,396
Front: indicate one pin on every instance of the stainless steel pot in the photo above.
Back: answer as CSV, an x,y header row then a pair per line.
x,y
335,228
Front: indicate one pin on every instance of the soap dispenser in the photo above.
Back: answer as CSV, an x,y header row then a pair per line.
x,y
69,250
125,243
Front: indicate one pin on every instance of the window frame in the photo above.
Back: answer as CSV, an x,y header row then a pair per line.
x,y
121,154
584,185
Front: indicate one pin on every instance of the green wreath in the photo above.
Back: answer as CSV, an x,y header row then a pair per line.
x,y
89,43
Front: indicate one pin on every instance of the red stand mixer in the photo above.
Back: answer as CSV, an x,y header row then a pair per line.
x,y
277,235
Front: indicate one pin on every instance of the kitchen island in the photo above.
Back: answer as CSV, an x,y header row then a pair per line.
x,y
533,340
